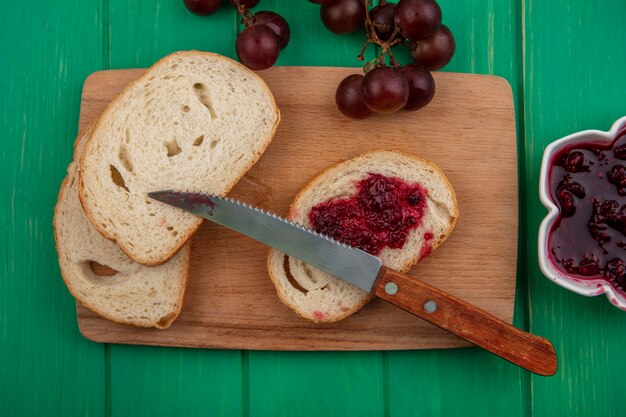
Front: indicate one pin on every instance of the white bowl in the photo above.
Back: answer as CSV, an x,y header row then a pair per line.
x,y
588,287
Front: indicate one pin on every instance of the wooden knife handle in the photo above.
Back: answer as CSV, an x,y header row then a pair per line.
x,y
531,352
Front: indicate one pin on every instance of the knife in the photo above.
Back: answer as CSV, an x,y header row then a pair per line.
x,y
367,272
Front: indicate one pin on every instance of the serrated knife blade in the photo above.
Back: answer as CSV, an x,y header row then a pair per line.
x,y
351,264
531,352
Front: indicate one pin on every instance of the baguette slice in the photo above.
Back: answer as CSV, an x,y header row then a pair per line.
x,y
194,121
318,296
137,295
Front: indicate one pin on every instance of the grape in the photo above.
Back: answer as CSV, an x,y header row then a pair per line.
x,y
435,52
385,90
418,19
246,3
349,97
343,16
322,1
257,47
421,86
382,16
276,23
370,66
202,7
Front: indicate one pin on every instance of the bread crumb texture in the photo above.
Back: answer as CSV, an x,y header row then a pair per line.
x,y
318,296
101,277
194,121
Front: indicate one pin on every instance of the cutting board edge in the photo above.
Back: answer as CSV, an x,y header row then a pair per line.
x,y
88,334
94,336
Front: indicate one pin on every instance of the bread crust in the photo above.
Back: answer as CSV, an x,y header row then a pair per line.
x,y
296,309
166,321
319,178
192,230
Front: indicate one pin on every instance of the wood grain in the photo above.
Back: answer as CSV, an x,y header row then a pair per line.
x,y
531,352
44,363
568,75
196,382
231,303
338,383
587,332
411,382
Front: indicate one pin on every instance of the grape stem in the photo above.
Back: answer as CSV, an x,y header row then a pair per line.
x,y
372,37
246,15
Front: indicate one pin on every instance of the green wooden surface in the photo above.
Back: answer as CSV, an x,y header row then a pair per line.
x,y
46,367
575,79
155,381
565,62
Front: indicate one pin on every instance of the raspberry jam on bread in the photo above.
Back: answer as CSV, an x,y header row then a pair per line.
x,y
588,184
381,214
394,205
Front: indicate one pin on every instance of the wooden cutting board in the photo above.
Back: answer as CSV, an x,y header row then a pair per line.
x,y
468,130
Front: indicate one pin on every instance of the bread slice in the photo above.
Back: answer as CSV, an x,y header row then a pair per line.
x,y
316,295
136,294
194,121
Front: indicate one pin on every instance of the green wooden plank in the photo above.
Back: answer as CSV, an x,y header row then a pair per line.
x,y
311,43
143,32
574,80
314,383
164,381
470,382
46,367
153,381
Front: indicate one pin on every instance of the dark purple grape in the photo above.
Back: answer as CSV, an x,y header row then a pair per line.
x,y
385,90
435,52
276,23
349,97
202,7
418,19
322,1
421,86
257,47
382,16
343,16
246,3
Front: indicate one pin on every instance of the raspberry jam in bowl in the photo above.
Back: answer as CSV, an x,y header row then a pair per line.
x,y
582,240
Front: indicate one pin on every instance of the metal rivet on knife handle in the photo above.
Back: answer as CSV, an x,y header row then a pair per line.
x,y
367,272
430,306
532,352
391,288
